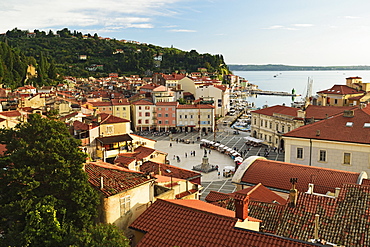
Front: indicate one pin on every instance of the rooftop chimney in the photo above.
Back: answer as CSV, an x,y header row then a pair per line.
x,y
101,183
316,226
348,113
241,206
337,191
293,193
317,132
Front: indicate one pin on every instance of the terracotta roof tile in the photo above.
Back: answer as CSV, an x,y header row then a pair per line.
x,y
115,179
10,113
277,174
321,112
328,129
142,102
269,111
143,152
197,223
341,90
110,119
176,172
124,161
256,193
77,125
343,220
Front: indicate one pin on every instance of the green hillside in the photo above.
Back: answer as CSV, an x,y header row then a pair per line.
x,y
75,54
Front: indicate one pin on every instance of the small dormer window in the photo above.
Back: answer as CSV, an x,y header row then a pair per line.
x,y
349,124
366,125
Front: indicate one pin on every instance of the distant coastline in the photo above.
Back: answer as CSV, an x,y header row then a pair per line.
x,y
280,67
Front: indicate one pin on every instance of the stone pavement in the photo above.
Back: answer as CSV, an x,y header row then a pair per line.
x,y
179,149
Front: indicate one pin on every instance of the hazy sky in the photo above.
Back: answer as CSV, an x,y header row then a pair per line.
x,y
310,32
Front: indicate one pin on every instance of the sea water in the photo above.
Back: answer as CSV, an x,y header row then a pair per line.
x,y
286,81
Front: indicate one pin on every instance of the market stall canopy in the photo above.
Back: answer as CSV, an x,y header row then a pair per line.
x,y
226,147
217,144
211,143
231,168
252,139
240,159
221,146
205,140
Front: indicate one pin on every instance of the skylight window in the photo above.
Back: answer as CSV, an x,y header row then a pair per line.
x,y
366,125
349,124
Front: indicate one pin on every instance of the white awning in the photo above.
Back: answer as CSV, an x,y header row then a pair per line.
x,y
217,144
226,147
211,143
231,168
221,146
240,159
205,140
229,149
252,139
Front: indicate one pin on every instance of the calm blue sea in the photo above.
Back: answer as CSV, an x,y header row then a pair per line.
x,y
285,81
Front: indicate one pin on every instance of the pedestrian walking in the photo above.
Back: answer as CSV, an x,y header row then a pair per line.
x,y
209,151
186,155
194,153
170,144
174,157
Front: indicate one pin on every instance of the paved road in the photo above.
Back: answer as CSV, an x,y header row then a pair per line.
x,y
224,186
226,137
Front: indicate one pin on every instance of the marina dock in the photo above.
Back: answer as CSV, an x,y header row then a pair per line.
x,y
276,93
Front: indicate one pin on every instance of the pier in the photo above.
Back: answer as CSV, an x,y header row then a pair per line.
x,y
261,92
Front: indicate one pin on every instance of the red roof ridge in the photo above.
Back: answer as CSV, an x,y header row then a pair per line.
x,y
206,207
114,167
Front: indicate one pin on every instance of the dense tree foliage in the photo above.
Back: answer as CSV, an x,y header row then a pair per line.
x,y
45,198
13,65
77,54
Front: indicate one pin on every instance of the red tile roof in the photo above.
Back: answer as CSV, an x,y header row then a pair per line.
x,y
277,174
123,160
328,129
173,76
176,172
198,224
321,112
185,193
142,102
256,193
222,87
120,102
269,111
341,90
100,103
110,119
343,220
143,152
149,86
115,179
77,125
10,113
